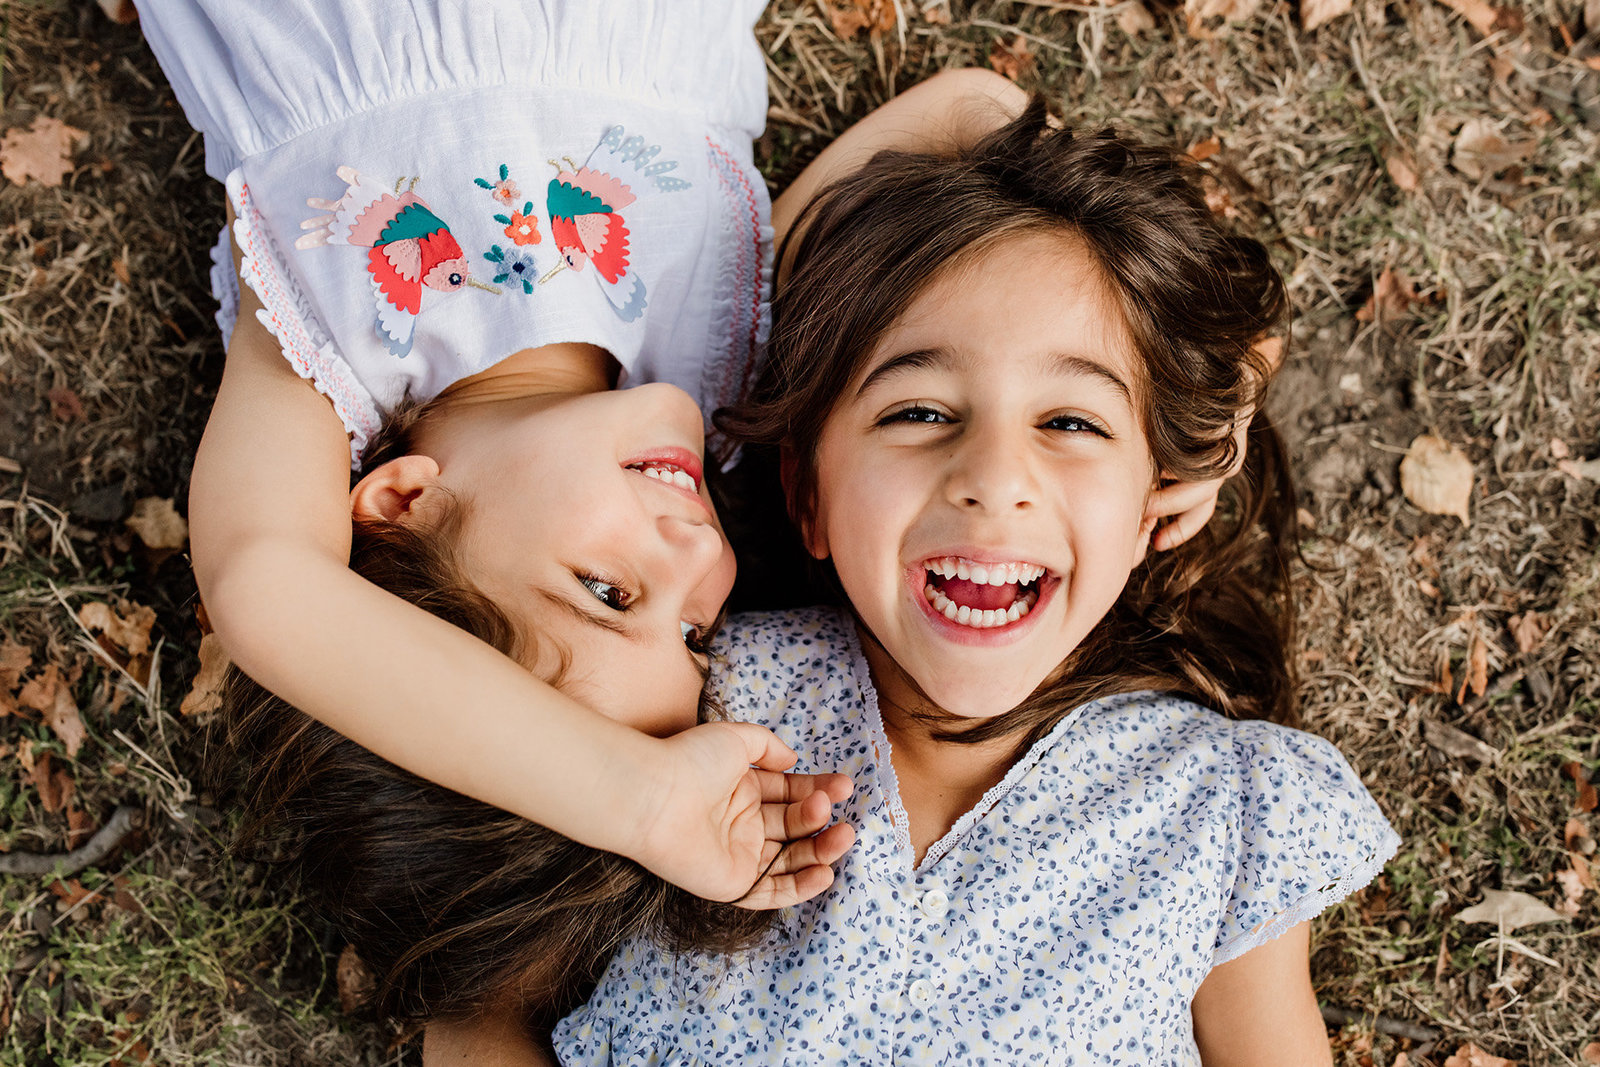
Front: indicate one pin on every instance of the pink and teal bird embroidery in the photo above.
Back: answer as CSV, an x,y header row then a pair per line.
x,y
411,249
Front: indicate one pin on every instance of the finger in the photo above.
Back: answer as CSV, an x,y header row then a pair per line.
x,y
788,822
823,850
1179,497
786,890
762,747
787,788
1184,526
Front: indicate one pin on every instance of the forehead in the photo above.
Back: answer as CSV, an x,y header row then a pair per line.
x,y
1036,296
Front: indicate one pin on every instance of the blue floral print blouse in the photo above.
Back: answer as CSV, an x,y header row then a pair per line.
x,y
1068,918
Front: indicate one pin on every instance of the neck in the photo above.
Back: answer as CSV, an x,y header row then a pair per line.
x,y
564,368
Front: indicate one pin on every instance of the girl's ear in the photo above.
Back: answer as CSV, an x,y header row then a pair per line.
x,y
1147,529
802,513
403,490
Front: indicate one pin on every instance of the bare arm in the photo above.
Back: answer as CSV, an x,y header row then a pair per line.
x,y
270,529
948,111
1259,1010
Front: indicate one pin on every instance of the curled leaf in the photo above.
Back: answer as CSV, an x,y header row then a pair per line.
x,y
158,523
1436,476
1509,910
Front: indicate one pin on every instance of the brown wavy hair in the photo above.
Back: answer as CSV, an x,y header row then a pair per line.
x,y
1209,620
456,906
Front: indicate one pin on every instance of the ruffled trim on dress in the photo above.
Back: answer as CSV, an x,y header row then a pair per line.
x,y
1311,905
882,751
224,286
288,317
741,300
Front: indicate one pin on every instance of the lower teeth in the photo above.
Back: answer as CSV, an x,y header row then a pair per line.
x,y
980,619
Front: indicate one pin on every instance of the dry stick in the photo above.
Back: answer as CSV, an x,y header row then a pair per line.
x,y
1381,1023
106,840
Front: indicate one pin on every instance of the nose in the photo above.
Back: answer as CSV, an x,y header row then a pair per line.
x,y
992,469
696,562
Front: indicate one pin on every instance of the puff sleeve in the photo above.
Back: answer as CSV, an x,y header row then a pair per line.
x,y
1307,834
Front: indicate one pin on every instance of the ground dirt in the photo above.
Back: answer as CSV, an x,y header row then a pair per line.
x,y
1428,183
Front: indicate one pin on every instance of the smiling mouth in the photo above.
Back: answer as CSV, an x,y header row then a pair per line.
x,y
982,596
667,472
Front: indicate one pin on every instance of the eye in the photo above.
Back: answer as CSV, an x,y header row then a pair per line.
x,y
914,414
694,637
612,596
1076,424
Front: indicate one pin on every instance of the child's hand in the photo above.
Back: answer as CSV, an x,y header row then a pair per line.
x,y
1188,506
725,810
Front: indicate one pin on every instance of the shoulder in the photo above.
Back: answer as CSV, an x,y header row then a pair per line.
x,y
802,667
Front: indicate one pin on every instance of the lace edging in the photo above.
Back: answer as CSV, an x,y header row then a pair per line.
x,y
1310,905
224,286
285,315
741,301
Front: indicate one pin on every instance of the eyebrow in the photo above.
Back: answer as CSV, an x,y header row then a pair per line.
x,y
924,358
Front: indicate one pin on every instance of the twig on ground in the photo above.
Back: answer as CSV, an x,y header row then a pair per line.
x,y
1334,1016
106,840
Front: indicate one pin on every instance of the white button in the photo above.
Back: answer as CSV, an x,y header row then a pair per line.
x,y
935,903
922,992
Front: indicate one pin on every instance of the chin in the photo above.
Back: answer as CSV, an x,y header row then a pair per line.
x,y
976,706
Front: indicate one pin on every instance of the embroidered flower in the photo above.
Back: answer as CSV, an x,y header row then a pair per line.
x,y
522,228
505,191
513,266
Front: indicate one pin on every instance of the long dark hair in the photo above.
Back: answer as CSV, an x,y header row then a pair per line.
x,y
456,906
1209,620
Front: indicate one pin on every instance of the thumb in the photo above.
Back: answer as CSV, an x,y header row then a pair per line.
x,y
762,747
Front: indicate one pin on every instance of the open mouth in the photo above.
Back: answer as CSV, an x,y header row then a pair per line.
x,y
981,595
670,473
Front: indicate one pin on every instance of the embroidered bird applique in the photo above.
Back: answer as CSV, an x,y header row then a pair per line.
x,y
587,227
412,249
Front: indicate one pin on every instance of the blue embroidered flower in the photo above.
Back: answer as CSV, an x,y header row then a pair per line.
x,y
514,266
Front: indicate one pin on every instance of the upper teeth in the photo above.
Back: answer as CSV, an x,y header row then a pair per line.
x,y
672,475
986,573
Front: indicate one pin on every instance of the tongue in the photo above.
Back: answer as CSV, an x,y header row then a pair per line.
x,y
979,597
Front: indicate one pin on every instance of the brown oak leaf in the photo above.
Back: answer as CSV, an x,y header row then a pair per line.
x,y
158,523
51,696
42,152
1012,60
1587,799
127,625
206,692
1436,476
54,783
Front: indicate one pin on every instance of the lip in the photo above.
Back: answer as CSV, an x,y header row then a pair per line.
x,y
669,456
1011,632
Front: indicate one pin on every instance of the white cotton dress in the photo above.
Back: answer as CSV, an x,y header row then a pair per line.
x,y
485,177
1068,919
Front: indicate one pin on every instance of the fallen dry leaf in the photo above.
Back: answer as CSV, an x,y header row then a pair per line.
x,y
1588,469
51,696
127,626
1573,837
1590,1053
1133,18
1314,13
1481,152
80,827
206,692
42,152
1436,476
1401,172
1012,60
1197,12
65,405
1509,910
1470,1055
1392,295
850,17
1479,15
1527,630
71,893
54,783
158,523
1457,743
14,660
1587,798
1477,679
1201,151
355,981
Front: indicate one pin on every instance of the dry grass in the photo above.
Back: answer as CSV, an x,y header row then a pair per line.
x,y
102,291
